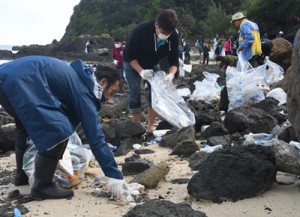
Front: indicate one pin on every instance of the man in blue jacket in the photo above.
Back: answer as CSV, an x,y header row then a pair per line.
x,y
48,99
150,42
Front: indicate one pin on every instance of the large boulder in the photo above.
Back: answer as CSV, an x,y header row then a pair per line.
x,y
172,138
281,52
270,105
234,173
293,95
287,157
117,130
246,119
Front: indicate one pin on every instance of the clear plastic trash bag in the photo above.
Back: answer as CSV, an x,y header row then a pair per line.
x,y
245,85
168,103
274,72
70,169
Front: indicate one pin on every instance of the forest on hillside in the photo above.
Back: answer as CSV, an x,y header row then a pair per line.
x,y
197,18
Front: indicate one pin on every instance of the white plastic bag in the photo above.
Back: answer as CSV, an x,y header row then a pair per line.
x,y
208,89
278,94
184,92
274,72
243,65
168,104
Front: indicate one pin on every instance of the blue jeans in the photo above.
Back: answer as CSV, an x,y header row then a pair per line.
x,y
134,81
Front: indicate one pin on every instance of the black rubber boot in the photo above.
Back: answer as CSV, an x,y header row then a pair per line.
x,y
21,177
43,186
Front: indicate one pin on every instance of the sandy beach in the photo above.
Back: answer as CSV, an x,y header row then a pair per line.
x,y
281,200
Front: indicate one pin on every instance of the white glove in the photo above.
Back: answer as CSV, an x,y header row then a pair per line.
x,y
168,79
180,63
116,62
119,188
146,74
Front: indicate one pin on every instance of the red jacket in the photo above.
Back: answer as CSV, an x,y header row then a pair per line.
x,y
117,54
227,46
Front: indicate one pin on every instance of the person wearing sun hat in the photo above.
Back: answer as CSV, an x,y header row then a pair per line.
x,y
249,38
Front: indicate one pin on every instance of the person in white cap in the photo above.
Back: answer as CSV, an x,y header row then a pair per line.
x,y
249,38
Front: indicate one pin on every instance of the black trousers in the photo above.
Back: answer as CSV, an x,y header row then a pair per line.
x,y
21,134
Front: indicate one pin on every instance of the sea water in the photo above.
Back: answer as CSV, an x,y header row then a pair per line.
x,y
6,47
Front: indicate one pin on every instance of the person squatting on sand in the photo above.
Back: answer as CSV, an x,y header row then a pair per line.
x,y
150,42
49,98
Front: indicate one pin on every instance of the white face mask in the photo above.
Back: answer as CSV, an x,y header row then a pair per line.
x,y
98,90
117,45
162,36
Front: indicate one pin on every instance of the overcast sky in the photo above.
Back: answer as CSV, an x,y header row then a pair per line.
x,y
25,22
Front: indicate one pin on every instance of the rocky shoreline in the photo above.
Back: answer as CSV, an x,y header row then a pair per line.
x,y
67,49
236,180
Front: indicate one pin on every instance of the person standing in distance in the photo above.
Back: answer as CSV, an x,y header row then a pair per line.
x,y
118,56
150,42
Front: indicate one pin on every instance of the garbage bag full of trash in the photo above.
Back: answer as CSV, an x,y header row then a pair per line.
x,y
70,169
168,103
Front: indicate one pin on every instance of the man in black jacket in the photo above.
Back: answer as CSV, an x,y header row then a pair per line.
x,y
150,42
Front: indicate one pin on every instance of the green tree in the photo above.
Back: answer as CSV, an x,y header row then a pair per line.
x,y
217,21
118,17
275,12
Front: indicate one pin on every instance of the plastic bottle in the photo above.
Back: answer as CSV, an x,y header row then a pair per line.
x,y
258,139
157,140
210,149
126,197
17,212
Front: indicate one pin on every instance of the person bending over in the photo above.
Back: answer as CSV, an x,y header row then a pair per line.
x,y
49,98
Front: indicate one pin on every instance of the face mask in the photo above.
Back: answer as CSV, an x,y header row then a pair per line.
x,y
117,45
98,90
162,36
